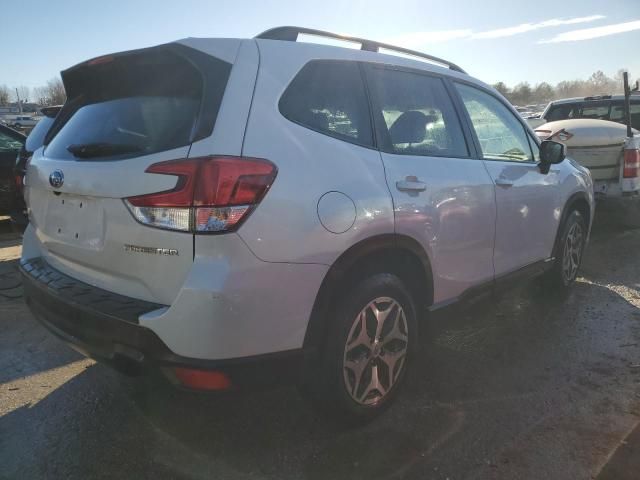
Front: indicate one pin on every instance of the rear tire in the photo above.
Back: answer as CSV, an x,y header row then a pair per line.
x,y
371,337
568,254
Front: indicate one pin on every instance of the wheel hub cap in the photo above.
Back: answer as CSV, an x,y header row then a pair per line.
x,y
572,252
375,351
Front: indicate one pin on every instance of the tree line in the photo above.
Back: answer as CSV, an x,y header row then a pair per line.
x,y
50,94
597,84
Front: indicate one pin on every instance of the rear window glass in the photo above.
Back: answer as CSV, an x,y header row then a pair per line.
x,y
329,97
136,105
36,138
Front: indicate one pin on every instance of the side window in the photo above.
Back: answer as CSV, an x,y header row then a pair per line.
x,y
9,144
617,114
598,111
418,114
329,97
501,135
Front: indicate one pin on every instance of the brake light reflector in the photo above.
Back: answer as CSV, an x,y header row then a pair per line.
x,y
631,163
202,379
212,194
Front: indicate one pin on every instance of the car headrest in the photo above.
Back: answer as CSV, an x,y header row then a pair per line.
x,y
410,127
315,120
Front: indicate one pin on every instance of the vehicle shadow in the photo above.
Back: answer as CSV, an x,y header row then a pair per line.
x,y
136,428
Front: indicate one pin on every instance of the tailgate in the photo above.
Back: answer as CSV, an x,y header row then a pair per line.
x,y
603,162
125,112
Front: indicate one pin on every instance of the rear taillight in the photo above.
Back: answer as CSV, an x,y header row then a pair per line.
x,y
631,163
212,194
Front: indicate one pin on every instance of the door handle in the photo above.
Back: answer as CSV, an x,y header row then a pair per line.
x,y
503,182
411,184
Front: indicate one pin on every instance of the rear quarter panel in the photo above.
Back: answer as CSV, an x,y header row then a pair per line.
x,y
285,227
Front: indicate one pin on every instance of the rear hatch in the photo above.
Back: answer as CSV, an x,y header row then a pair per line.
x,y
124,113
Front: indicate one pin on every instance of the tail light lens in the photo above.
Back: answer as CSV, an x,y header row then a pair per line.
x,y
631,163
212,194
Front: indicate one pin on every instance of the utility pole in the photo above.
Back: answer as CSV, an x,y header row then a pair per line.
x,y
19,102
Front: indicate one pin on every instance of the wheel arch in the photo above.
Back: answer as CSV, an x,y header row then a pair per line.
x,y
392,253
576,202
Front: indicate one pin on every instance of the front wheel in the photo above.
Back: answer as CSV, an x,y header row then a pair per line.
x,y
569,251
370,340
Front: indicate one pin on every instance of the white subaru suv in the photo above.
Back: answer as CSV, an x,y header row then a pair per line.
x,y
241,212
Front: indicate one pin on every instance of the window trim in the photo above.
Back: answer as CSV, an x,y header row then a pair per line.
x,y
526,129
338,136
381,129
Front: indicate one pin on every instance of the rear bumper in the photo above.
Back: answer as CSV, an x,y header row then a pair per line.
x,y
104,326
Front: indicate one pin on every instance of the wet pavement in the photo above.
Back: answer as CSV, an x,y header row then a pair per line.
x,y
535,387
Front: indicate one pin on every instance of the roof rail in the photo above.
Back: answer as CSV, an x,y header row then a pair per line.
x,y
290,34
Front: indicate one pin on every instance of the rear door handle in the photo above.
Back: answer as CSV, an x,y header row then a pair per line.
x,y
411,184
503,182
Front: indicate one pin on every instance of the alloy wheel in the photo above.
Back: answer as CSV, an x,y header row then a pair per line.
x,y
375,351
572,252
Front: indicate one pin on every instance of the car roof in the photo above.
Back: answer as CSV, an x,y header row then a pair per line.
x,y
287,37
597,98
291,34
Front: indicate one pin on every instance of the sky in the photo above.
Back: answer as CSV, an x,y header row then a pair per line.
x,y
493,40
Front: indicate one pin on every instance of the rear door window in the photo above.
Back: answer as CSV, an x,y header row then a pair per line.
x,y
419,118
138,104
329,97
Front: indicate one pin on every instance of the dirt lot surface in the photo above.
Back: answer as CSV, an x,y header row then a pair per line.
x,y
534,387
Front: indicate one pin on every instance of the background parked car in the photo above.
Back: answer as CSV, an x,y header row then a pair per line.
x,y
25,121
17,208
10,144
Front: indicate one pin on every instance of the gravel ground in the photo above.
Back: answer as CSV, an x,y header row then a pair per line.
x,y
534,387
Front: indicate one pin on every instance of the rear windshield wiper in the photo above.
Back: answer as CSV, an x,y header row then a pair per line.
x,y
92,150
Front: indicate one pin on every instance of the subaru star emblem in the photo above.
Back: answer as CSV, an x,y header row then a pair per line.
x,y
56,179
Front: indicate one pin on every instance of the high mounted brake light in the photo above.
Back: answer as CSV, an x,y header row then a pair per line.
x,y
212,194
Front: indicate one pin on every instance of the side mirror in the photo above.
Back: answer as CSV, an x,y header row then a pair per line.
x,y
551,153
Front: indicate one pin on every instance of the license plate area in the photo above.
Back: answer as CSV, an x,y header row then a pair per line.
x,y
75,220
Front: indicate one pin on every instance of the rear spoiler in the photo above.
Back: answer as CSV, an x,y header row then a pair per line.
x,y
88,75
